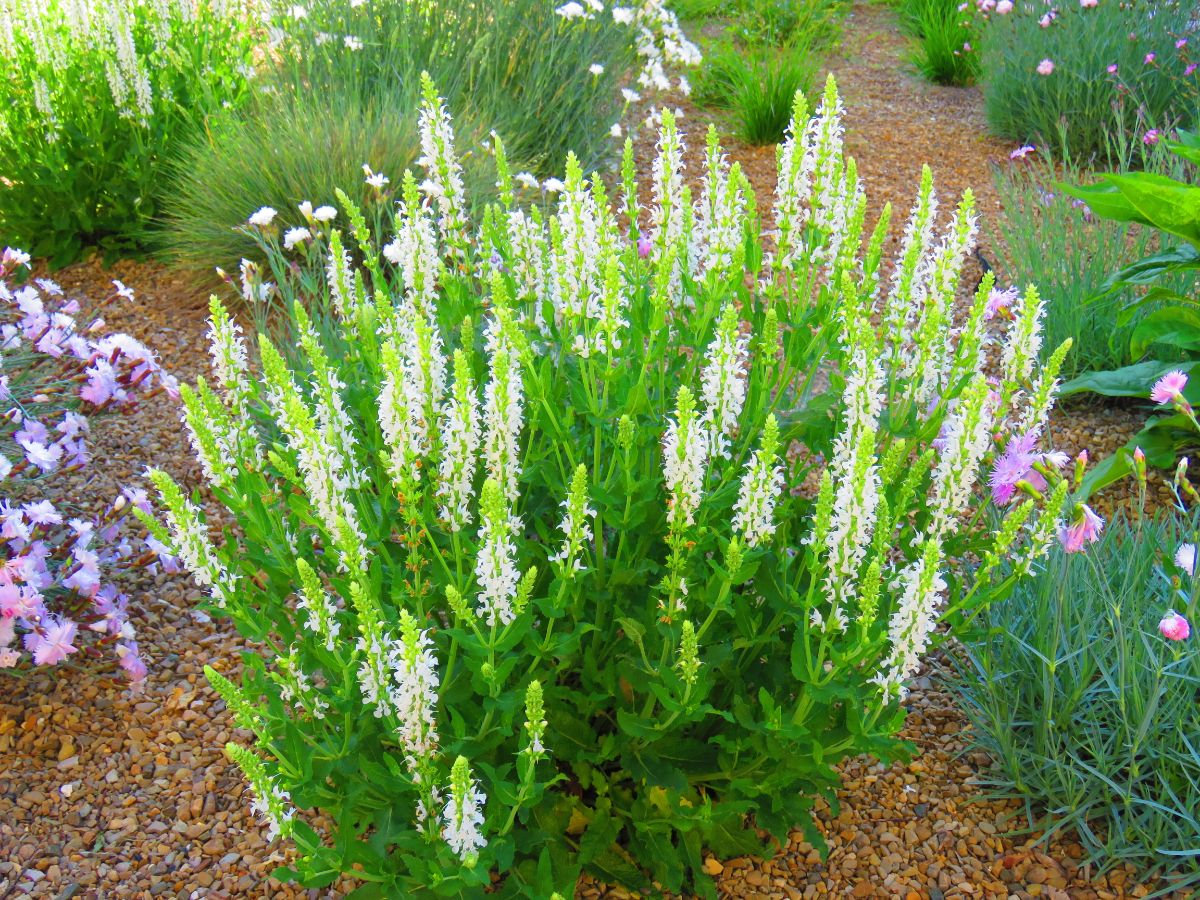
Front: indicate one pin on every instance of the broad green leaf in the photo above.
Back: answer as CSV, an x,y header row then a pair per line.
x,y
1130,381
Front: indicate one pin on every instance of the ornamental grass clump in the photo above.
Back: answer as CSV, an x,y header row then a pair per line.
x,y
569,544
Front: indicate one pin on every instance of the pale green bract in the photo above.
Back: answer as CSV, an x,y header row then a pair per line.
x,y
526,532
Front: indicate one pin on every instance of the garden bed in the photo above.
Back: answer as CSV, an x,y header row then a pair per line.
x,y
108,792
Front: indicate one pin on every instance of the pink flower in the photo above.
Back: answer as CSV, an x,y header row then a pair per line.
x,y
1022,151
1045,67
1150,57
1015,465
1045,20
1112,69
54,645
1185,558
1150,138
1181,43
1087,4
1169,388
1191,67
1174,627
131,661
999,301
1004,7
1084,529
643,247
101,384
42,513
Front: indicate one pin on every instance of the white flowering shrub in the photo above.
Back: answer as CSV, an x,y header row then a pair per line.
x,y
575,543
98,94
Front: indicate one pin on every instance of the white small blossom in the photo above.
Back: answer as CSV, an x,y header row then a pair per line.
x,y
294,236
263,217
462,819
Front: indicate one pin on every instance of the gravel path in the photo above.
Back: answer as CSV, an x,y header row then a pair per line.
x,y
106,794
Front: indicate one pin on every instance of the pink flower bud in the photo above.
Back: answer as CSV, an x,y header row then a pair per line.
x,y
643,247
1174,627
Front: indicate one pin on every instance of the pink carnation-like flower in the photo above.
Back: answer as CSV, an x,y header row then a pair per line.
x,y
1169,387
54,645
1181,43
1004,7
1023,151
1112,69
1084,529
1045,67
1088,4
1191,67
643,247
1150,138
999,302
131,661
1150,57
1174,627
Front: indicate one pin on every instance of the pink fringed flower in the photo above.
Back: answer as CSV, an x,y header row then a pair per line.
x,y
1045,67
1169,388
53,644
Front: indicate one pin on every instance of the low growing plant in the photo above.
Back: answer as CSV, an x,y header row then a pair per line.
x,y
947,50
98,96
524,535
1082,688
61,561
1072,76
761,91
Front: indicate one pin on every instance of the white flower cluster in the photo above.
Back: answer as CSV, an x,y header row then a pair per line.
x,y
685,454
414,690
723,382
462,819
920,588
502,412
459,426
444,182
496,565
57,33
762,482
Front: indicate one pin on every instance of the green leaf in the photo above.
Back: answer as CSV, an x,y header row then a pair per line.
x,y
1129,381
613,867
1175,326
1150,269
601,834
